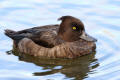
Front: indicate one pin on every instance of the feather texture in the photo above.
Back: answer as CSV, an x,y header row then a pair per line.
x,y
64,50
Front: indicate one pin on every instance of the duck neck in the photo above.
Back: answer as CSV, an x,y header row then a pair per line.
x,y
60,35
61,31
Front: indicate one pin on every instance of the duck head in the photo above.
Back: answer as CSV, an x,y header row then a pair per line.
x,y
72,29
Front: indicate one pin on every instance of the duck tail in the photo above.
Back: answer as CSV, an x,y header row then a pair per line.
x,y
14,35
9,33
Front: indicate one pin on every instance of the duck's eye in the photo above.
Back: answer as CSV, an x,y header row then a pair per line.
x,y
74,28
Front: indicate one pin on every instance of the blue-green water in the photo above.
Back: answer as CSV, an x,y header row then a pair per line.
x,y
101,19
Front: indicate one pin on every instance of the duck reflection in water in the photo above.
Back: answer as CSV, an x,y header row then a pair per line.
x,y
78,68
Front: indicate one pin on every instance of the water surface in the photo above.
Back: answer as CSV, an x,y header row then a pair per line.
x,y
101,19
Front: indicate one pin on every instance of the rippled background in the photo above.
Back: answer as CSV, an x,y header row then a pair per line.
x,y
101,19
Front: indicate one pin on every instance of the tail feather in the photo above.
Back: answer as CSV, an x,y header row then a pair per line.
x,y
14,35
9,32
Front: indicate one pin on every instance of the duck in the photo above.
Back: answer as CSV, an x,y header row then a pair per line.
x,y
65,40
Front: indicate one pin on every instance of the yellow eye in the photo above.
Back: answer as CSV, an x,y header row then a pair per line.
x,y
74,28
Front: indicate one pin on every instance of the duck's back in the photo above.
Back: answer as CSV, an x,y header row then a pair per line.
x,y
44,35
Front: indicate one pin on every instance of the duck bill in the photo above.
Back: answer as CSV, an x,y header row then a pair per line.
x,y
87,37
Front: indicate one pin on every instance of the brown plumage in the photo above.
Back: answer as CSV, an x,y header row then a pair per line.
x,y
67,40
